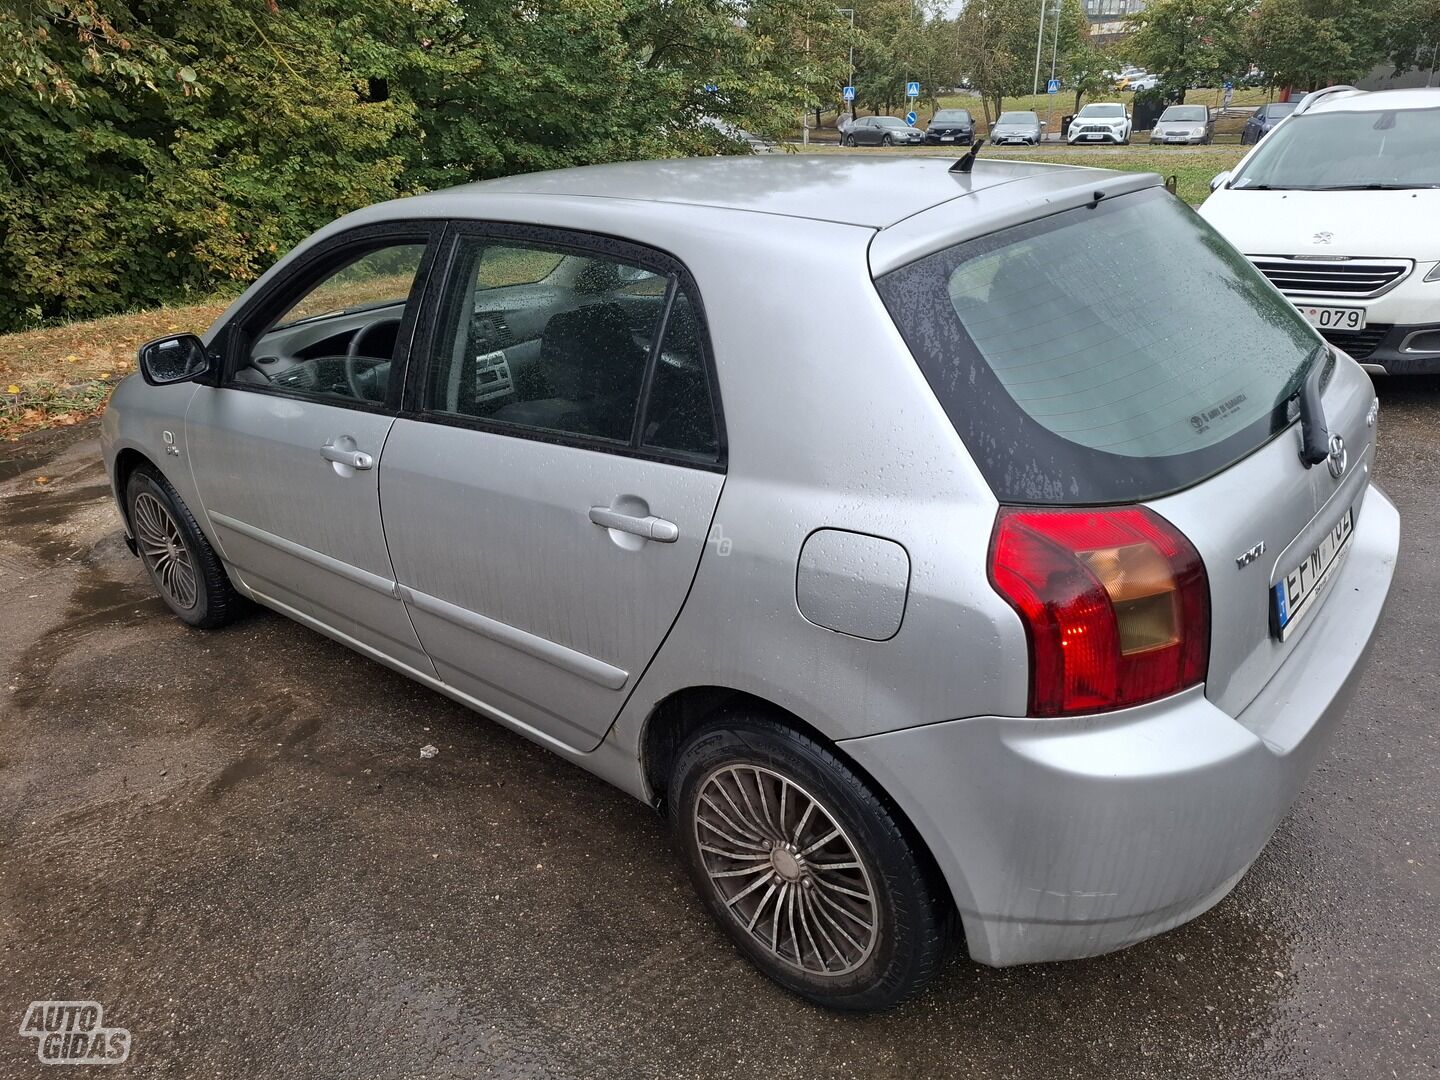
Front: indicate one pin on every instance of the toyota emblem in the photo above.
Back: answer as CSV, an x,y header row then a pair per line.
x,y
1338,458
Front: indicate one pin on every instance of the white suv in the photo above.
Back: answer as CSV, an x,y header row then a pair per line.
x,y
1100,122
1339,206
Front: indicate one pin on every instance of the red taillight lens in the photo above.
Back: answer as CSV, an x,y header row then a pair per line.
x,y
1115,604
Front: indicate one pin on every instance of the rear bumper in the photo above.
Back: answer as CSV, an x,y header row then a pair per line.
x,y
1069,838
1396,349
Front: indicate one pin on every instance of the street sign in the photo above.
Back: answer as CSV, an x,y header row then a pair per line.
x,y
1228,86
910,118
912,89
1053,86
849,93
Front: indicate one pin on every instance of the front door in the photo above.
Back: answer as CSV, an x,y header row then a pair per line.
x,y
286,448
549,497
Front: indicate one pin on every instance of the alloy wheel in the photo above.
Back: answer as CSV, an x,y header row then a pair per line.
x,y
786,870
163,548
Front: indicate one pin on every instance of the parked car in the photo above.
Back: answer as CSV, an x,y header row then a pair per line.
x,y
929,613
1263,119
1188,125
1024,128
1100,122
1329,208
1139,81
951,126
883,131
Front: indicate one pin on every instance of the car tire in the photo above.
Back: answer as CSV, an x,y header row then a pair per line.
x,y
181,564
886,140
849,140
716,793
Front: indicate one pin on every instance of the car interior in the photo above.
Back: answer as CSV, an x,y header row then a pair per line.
x,y
534,338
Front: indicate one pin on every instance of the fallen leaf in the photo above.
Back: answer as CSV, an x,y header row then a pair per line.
x,y
42,480
104,374
12,389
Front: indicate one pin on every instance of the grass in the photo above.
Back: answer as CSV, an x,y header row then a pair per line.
x,y
61,375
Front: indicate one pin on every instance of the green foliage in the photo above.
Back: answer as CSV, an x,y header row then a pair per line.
x,y
152,151
998,45
1190,42
1313,43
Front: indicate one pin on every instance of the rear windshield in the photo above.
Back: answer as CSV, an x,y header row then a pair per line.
x,y
1104,354
1396,148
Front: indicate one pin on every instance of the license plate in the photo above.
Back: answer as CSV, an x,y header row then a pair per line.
x,y
1335,318
947,138
1094,137
1294,597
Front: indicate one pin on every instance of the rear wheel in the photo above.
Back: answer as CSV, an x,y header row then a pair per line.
x,y
849,140
887,141
805,867
182,565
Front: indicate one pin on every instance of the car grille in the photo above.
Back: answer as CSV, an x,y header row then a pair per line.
x,y
1354,278
1358,343
1098,129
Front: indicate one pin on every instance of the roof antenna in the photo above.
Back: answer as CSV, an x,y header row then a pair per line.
x,y
966,163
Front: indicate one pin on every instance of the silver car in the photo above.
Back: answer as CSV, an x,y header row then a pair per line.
x,y
1023,596
1185,125
1020,128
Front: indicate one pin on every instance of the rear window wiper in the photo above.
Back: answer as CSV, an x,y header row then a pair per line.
x,y
1314,432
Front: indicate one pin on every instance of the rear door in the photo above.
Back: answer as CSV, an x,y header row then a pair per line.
x,y
1124,352
549,487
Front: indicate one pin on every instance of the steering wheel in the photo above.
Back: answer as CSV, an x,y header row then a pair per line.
x,y
355,352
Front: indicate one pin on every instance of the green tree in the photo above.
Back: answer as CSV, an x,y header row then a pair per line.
x,y
1313,43
997,49
1190,42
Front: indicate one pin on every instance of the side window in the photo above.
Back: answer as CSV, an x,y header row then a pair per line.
x,y
336,339
563,351
680,415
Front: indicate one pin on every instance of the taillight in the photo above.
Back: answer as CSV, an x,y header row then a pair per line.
x,y
1115,604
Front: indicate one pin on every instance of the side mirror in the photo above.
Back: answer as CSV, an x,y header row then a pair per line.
x,y
175,359
1219,180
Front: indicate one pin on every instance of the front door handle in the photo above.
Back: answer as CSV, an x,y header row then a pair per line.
x,y
356,459
650,526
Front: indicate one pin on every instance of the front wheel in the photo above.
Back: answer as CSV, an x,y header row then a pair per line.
x,y
182,565
808,870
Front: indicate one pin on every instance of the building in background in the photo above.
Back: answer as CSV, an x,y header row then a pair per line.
x,y
1107,17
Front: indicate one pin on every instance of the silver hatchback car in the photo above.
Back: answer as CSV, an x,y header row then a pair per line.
x,y
934,547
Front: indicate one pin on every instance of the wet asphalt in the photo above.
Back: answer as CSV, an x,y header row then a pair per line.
x,y
231,841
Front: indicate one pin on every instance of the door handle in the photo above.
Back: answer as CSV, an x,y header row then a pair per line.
x,y
356,459
650,526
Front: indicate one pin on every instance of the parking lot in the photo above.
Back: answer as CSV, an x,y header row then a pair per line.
x,y
231,840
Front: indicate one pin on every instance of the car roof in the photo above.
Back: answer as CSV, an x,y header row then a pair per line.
x,y
1377,100
874,191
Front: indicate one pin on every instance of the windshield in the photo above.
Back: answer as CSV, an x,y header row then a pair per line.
x,y
891,121
952,116
1103,110
1278,109
1017,118
1185,113
1102,355
1397,148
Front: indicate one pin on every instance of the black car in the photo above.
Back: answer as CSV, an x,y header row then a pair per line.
x,y
951,126
1263,119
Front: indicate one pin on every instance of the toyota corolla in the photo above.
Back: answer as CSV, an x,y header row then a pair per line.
x,y
1017,586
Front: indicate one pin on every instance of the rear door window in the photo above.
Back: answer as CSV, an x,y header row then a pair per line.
x,y
1105,354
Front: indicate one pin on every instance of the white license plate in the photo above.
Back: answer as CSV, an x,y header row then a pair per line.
x,y
947,138
1094,137
1335,318
1294,597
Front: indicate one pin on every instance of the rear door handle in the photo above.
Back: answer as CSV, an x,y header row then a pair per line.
x,y
650,526
356,459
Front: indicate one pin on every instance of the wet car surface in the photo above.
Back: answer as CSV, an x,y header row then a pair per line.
x,y
232,842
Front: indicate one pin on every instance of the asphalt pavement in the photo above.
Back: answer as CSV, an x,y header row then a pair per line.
x,y
230,840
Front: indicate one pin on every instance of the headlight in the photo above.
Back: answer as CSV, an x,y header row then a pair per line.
x,y
1434,274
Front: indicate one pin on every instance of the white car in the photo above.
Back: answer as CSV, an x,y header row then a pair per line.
x,y
1100,122
1338,206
